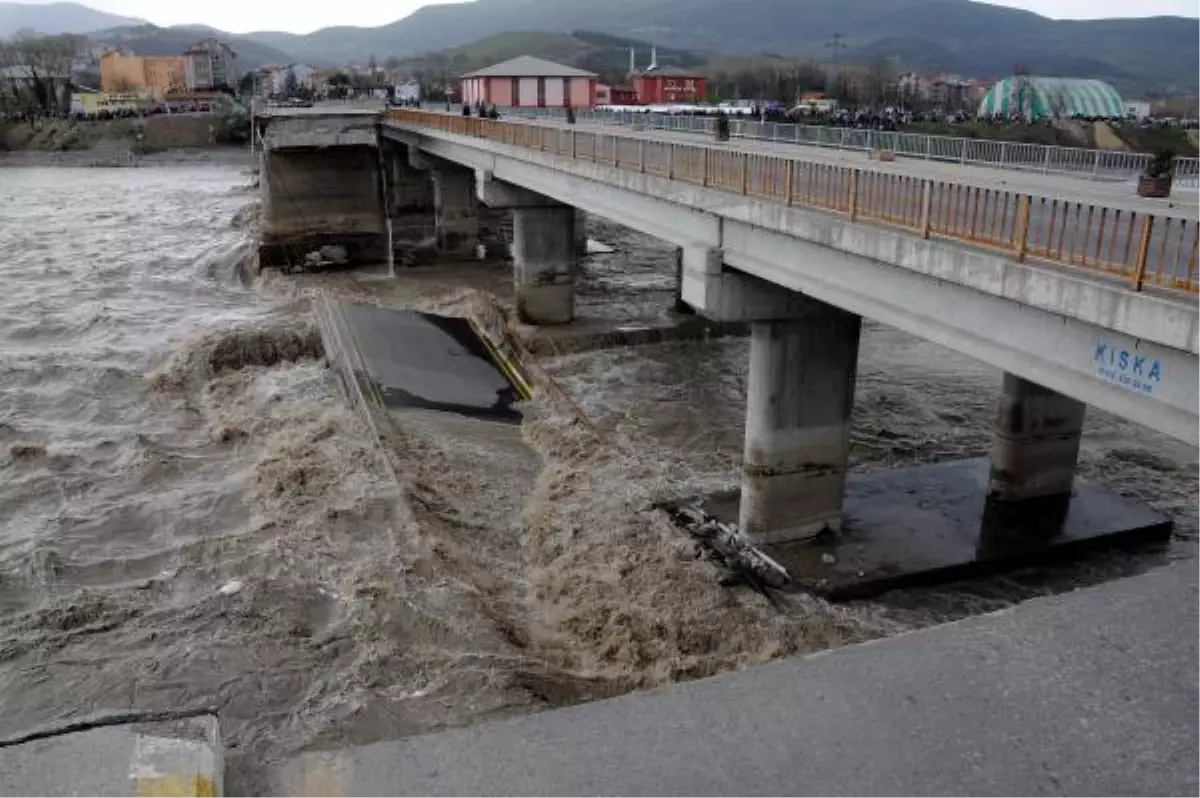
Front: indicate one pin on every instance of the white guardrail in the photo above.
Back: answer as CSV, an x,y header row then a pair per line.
x,y
1095,164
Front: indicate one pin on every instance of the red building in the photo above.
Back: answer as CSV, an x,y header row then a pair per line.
x,y
615,95
530,82
669,86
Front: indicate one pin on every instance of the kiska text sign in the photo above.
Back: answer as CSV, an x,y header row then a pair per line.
x,y
1137,372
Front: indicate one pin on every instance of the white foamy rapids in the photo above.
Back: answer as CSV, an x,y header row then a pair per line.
x,y
163,431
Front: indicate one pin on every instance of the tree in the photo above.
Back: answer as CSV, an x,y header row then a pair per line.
x,y
42,80
339,85
246,85
290,84
879,81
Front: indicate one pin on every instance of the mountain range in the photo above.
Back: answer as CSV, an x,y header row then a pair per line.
x,y
56,18
971,38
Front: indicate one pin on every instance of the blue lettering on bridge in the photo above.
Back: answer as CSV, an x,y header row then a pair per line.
x,y
1134,371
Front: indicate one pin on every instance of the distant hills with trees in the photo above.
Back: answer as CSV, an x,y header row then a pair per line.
x,y
1154,54
604,54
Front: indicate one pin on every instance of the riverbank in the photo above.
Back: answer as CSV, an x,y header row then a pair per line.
x,y
115,154
139,135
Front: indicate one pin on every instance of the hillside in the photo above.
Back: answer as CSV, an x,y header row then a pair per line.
x,y
1154,54
153,40
56,18
606,55
973,38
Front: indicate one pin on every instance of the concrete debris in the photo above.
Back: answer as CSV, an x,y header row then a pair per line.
x,y
731,547
334,253
328,255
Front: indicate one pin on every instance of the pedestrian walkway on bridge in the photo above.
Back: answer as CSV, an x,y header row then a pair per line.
x,y
1091,164
1096,226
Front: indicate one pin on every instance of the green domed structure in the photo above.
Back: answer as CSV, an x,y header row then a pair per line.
x,y
1051,98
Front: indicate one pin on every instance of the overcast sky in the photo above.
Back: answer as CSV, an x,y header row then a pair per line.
x,y
302,16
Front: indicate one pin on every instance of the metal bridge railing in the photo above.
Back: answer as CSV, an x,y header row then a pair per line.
x,y
1141,248
1076,161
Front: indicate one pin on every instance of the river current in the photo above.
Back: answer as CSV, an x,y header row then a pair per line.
x,y
191,517
180,485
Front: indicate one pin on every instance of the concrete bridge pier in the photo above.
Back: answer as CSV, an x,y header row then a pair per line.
x,y
800,395
456,220
322,202
544,250
410,199
581,236
544,261
803,366
1035,444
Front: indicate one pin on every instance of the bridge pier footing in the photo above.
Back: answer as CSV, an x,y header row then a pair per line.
x,y
544,260
1035,443
801,392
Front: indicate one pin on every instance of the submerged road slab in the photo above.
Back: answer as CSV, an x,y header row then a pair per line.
x,y
426,361
177,757
1091,692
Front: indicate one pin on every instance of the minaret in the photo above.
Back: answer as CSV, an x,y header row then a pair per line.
x,y
653,59
632,60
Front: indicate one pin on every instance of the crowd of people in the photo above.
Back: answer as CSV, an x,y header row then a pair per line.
x,y
116,112
482,110
894,119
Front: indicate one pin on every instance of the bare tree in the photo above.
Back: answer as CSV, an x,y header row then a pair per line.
x,y
41,65
878,81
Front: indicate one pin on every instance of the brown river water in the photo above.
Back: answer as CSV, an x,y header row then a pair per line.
x,y
191,517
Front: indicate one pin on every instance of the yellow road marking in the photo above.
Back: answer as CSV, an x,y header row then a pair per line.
x,y
175,786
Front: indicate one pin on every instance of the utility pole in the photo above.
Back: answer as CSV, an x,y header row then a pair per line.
x,y
837,43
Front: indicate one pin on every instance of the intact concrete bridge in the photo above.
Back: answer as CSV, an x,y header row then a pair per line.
x,y
1080,295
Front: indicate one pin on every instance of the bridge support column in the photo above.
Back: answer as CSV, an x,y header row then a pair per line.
x,y
410,199
455,218
581,236
801,391
321,206
544,257
679,305
1035,443
544,249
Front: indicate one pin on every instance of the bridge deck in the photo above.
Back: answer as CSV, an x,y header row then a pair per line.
x,y
1090,225
1112,193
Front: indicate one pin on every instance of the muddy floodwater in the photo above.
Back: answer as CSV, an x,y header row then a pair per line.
x,y
190,516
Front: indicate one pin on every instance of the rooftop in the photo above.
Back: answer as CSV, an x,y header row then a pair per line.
x,y
526,66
